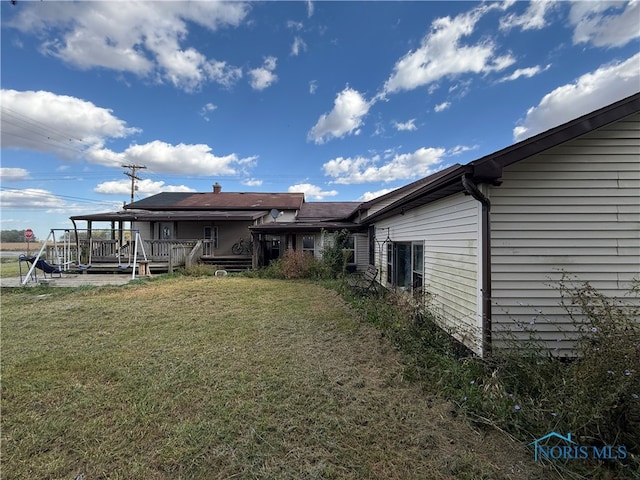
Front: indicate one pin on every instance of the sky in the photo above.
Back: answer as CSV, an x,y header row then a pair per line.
x,y
343,101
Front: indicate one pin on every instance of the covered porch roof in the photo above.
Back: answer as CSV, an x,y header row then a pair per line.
x,y
170,216
288,227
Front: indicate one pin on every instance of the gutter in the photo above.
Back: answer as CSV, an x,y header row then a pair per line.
x,y
472,189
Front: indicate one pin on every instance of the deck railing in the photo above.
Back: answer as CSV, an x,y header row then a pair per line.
x,y
172,252
164,250
207,248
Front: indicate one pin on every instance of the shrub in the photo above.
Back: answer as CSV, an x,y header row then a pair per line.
x,y
297,264
293,265
604,380
273,270
334,255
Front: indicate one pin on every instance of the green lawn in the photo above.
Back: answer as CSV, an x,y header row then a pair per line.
x,y
217,378
9,267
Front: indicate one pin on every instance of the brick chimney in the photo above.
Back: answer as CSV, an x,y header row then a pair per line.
x,y
217,188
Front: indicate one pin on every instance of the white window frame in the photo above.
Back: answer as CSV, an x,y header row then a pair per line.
x,y
306,249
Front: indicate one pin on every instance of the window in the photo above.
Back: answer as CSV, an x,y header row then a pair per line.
x,y
350,249
405,264
417,266
402,262
390,263
211,234
165,231
309,244
372,245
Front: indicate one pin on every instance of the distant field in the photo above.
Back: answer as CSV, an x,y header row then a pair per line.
x,y
20,246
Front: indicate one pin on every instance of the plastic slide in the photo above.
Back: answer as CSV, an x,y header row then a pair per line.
x,y
41,264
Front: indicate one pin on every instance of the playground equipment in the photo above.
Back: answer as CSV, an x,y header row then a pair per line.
x,y
68,254
40,264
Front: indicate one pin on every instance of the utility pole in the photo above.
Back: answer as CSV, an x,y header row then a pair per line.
x,y
133,176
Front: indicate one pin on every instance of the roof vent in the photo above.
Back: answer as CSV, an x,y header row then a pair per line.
x,y
217,188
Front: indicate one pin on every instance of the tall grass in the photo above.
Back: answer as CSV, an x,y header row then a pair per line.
x,y
529,393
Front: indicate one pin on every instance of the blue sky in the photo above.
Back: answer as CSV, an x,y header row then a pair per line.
x,y
340,100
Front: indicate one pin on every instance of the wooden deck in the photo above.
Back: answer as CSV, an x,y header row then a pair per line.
x,y
162,256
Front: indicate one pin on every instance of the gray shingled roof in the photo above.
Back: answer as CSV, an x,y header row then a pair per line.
x,y
136,215
220,201
320,211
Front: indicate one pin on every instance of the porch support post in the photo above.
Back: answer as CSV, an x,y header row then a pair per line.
x,y
256,248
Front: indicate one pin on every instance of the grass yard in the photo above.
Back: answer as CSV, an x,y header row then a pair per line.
x,y
219,378
9,267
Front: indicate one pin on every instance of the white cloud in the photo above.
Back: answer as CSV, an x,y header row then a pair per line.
x,y
588,93
298,46
442,106
310,8
72,129
30,198
349,108
263,77
209,107
14,174
146,39
442,54
293,25
194,159
420,163
59,124
605,24
366,196
409,125
313,86
252,182
532,19
144,187
312,191
459,149
525,72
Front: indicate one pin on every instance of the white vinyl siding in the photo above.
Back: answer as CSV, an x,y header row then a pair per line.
x,y
361,242
448,229
573,209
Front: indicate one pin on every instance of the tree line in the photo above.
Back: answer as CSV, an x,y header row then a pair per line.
x,y
13,236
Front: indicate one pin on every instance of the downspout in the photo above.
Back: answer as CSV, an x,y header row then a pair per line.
x,y
473,190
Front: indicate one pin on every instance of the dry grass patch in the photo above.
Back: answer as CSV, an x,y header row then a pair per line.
x,y
220,378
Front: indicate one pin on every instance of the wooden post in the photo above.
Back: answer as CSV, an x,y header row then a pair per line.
x,y
143,268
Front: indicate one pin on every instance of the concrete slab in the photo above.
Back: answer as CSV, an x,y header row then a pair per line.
x,y
71,280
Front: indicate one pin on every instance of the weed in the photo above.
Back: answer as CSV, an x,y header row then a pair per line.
x,y
527,392
294,265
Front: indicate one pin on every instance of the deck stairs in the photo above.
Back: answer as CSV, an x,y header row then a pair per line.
x,y
236,263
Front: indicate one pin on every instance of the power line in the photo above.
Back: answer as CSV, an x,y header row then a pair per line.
x,y
40,126
55,195
133,177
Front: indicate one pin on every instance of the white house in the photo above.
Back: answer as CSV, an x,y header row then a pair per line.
x,y
490,240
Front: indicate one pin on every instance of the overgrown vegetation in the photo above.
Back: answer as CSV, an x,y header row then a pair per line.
x,y
297,264
530,393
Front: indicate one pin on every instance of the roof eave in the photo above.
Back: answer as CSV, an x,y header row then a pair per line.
x,y
490,166
488,169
